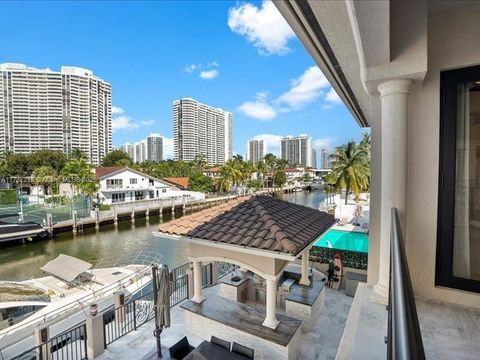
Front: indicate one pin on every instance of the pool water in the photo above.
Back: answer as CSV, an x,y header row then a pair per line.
x,y
344,240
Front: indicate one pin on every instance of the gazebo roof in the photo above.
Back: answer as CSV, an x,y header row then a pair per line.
x,y
259,222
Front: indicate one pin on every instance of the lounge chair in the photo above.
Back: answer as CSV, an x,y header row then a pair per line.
x,y
243,350
223,343
181,349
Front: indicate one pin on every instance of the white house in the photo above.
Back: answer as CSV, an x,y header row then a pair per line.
x,y
122,184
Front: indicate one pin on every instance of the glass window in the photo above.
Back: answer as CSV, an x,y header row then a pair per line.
x,y
133,181
458,248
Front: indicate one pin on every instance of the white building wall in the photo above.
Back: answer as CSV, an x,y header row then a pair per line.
x,y
54,110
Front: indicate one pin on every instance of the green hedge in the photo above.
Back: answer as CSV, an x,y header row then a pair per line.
x,y
57,199
351,259
8,196
103,207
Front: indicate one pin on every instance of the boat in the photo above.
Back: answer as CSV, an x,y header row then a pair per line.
x,y
20,230
62,299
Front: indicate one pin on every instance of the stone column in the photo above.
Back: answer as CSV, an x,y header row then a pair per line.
x,y
197,282
271,316
394,100
95,336
305,257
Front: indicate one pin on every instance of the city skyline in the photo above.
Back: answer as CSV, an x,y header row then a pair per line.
x,y
262,75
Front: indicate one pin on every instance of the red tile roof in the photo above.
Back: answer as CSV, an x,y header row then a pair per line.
x,y
260,222
181,182
215,169
104,171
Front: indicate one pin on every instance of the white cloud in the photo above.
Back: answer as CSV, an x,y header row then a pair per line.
x,y
264,27
190,68
123,122
272,142
117,110
259,109
322,143
208,74
305,89
167,148
332,99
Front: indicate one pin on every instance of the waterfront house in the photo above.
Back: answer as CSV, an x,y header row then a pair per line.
x,y
122,184
180,182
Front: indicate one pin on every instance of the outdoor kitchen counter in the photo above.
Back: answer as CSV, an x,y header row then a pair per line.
x,y
244,318
306,295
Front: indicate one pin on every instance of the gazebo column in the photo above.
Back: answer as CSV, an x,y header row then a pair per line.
x,y
305,257
197,282
271,318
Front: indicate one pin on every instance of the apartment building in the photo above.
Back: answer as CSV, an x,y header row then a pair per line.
x,y
255,150
201,130
297,150
57,110
154,147
325,163
129,149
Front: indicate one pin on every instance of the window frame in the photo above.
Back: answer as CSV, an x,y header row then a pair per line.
x,y
449,81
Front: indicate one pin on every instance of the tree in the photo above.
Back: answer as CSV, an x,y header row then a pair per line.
x,y
280,178
54,159
350,168
81,176
200,182
45,176
77,154
116,158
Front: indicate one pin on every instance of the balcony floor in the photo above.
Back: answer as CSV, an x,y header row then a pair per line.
x,y
448,331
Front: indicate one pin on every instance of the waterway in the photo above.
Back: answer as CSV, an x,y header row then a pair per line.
x,y
20,262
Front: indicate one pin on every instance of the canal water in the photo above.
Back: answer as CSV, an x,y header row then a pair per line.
x,y
21,262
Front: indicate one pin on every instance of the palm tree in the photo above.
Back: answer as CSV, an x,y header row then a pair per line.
x,y
350,168
77,154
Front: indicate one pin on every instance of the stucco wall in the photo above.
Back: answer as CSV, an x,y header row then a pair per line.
x,y
453,39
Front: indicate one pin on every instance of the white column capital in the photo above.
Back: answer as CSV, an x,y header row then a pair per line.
x,y
398,86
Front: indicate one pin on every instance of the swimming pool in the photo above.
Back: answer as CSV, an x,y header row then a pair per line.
x,y
344,240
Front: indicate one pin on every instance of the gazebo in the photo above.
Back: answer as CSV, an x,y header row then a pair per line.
x,y
260,234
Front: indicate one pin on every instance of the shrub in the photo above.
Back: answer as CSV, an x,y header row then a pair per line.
x,y
8,196
103,207
351,259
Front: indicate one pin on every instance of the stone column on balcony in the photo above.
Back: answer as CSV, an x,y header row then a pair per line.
x,y
394,101
197,282
305,257
271,305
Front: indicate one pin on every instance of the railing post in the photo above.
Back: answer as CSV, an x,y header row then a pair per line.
x,y
41,339
190,282
95,333
119,306
214,272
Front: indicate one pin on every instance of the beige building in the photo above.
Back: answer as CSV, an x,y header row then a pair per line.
x,y
57,110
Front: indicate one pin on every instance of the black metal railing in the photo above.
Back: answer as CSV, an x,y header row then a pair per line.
x,y
224,269
69,345
130,316
404,339
178,290
207,275
32,353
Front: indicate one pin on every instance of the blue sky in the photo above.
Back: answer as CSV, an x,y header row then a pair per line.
x,y
240,56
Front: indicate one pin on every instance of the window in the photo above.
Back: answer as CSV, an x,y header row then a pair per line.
x,y
164,191
151,194
118,197
114,183
133,181
138,195
458,235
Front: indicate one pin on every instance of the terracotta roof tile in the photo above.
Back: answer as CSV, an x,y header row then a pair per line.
x,y
181,182
261,222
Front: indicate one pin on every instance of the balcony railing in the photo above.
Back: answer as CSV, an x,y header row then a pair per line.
x,y
404,339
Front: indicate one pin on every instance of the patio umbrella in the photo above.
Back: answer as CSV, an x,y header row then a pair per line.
x,y
161,302
163,298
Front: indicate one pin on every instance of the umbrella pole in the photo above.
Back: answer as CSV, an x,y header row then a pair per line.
x,y
157,330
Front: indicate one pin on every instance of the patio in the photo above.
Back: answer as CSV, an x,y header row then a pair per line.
x,y
320,342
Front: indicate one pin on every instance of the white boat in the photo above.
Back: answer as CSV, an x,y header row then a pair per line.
x,y
23,230
62,299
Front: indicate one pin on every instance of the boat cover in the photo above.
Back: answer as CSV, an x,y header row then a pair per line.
x,y
66,267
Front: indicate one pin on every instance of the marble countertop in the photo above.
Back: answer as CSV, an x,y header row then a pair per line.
x,y
227,279
244,318
306,295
